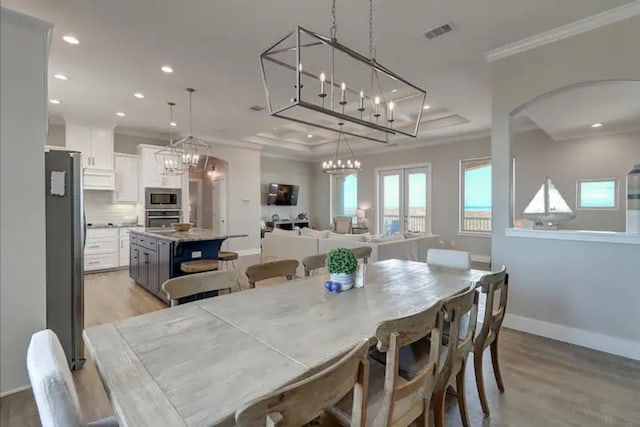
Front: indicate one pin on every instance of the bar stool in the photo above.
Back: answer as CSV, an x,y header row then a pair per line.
x,y
199,265
226,257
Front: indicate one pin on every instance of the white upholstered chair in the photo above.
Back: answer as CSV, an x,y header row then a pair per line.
x,y
52,384
342,224
449,258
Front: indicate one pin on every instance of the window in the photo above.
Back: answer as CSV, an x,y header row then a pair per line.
x,y
345,195
475,195
597,193
403,199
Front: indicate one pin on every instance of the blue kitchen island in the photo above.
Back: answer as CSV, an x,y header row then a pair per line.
x,y
155,254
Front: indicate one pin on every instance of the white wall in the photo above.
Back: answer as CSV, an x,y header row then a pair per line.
x,y
583,292
23,94
243,201
288,171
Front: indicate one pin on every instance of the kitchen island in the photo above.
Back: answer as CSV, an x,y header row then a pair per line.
x,y
155,254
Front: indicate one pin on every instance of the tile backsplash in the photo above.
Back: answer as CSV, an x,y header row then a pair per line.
x,y
100,208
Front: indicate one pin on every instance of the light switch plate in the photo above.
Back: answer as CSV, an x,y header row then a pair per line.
x,y
196,254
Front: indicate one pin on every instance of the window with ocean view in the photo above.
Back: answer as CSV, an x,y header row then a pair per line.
x,y
475,195
597,193
345,195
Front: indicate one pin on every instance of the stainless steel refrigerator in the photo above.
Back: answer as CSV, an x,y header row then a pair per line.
x,y
65,238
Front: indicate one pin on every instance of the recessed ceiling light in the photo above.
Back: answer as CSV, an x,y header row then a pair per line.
x,y
173,124
60,76
426,107
309,135
54,101
596,125
167,69
394,90
275,128
70,39
120,114
138,95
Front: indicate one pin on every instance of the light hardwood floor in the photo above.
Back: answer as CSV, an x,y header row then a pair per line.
x,y
548,383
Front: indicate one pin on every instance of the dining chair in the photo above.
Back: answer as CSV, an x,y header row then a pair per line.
x,y
52,384
449,258
313,262
302,402
394,401
460,314
342,224
362,252
197,286
268,270
490,319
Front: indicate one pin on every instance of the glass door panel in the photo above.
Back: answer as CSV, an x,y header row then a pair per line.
x,y
390,202
416,218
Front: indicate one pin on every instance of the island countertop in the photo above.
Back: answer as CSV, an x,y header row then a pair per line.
x,y
194,235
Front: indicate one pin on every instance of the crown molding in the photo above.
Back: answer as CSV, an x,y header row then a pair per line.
x,y
18,18
574,28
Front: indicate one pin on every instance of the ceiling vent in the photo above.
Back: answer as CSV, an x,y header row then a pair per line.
x,y
256,108
439,31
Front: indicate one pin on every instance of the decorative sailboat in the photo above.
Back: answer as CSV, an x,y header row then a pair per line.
x,y
548,208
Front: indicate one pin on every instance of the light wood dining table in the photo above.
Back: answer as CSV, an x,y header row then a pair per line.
x,y
195,364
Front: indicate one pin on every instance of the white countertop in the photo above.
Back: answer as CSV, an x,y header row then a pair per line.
x,y
576,235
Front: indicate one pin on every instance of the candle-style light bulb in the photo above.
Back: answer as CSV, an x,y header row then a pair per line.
x,y
323,77
390,118
343,87
376,101
361,107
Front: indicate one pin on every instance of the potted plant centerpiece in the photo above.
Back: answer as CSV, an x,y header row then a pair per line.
x,y
342,264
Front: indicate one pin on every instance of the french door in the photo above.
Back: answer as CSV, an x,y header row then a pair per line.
x,y
403,200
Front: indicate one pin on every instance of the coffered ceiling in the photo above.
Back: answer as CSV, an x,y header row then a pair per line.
x,y
214,47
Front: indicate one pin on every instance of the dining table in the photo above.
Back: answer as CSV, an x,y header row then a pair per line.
x,y
197,363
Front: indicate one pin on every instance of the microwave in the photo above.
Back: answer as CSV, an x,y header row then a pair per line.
x,y
162,198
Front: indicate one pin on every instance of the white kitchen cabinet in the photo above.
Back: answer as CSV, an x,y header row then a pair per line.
x,y
101,249
150,174
126,178
95,144
123,250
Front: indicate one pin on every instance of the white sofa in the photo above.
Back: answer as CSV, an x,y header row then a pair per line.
x,y
290,245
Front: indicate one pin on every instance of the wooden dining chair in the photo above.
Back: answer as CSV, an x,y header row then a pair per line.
x,y
342,224
268,270
362,252
52,384
313,262
491,321
302,402
449,258
394,401
196,286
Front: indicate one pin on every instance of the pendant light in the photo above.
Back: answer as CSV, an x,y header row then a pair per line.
x,y
168,159
341,166
195,153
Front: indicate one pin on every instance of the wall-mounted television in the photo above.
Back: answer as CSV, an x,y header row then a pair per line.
x,y
282,194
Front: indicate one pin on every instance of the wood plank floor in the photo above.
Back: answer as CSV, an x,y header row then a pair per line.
x,y
548,383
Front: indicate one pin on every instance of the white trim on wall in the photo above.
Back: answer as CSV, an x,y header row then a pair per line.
x,y
581,337
577,27
15,390
247,252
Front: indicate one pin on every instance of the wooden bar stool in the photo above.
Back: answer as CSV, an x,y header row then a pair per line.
x,y
199,265
226,257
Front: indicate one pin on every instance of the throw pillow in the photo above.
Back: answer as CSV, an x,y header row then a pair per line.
x,y
286,232
322,234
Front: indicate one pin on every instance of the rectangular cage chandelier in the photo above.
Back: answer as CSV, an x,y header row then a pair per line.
x,y
313,79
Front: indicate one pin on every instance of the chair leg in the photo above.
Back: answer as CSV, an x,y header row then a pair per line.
x,y
438,407
462,402
477,365
496,364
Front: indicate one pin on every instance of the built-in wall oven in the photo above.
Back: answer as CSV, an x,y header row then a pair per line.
x,y
161,218
162,198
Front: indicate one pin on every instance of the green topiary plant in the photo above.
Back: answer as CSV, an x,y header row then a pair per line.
x,y
341,261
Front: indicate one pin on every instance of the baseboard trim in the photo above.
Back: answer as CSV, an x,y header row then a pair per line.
x,y
486,259
588,339
15,390
247,252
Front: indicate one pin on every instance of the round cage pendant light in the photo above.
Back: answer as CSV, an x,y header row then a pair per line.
x,y
195,153
168,159
341,166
